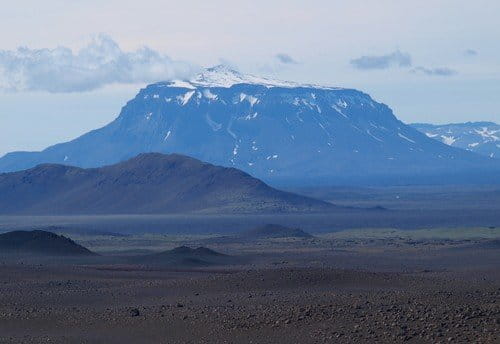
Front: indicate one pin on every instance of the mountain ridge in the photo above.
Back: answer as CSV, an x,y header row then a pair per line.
x,y
226,77
481,137
151,183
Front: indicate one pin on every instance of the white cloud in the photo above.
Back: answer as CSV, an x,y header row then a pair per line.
x,y
440,71
470,52
285,58
396,58
101,62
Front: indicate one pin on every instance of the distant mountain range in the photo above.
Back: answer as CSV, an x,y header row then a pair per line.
x,y
264,232
150,183
274,231
479,137
280,132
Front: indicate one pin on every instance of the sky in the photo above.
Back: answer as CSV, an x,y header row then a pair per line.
x,y
67,67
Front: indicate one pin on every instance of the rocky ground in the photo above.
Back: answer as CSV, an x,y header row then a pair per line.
x,y
285,305
321,290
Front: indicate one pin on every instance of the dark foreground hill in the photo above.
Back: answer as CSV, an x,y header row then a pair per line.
x,y
40,243
186,256
150,183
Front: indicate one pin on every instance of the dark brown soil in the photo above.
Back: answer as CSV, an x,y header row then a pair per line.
x,y
284,305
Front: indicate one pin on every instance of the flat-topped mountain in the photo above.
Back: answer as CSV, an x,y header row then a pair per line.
x,y
276,131
40,243
478,137
150,183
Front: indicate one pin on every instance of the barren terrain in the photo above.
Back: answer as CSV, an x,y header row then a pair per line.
x,y
350,287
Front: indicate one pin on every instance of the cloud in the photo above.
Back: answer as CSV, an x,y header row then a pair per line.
x,y
470,52
435,71
229,63
397,58
100,63
285,58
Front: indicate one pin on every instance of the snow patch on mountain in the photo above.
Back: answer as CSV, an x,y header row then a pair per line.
x,y
167,135
373,136
223,76
342,103
478,137
184,99
213,124
336,108
251,116
230,131
487,134
250,99
449,140
406,138
208,94
180,84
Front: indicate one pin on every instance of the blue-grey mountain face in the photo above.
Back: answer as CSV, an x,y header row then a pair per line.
x,y
271,129
478,137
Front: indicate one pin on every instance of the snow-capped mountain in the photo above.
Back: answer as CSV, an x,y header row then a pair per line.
x,y
478,137
272,129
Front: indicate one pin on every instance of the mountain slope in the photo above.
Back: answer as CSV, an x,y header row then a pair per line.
x,y
149,183
478,137
273,130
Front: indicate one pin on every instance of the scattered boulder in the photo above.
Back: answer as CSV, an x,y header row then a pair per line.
x,y
134,312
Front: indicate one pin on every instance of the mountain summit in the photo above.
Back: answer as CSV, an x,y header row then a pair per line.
x,y
224,76
274,130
